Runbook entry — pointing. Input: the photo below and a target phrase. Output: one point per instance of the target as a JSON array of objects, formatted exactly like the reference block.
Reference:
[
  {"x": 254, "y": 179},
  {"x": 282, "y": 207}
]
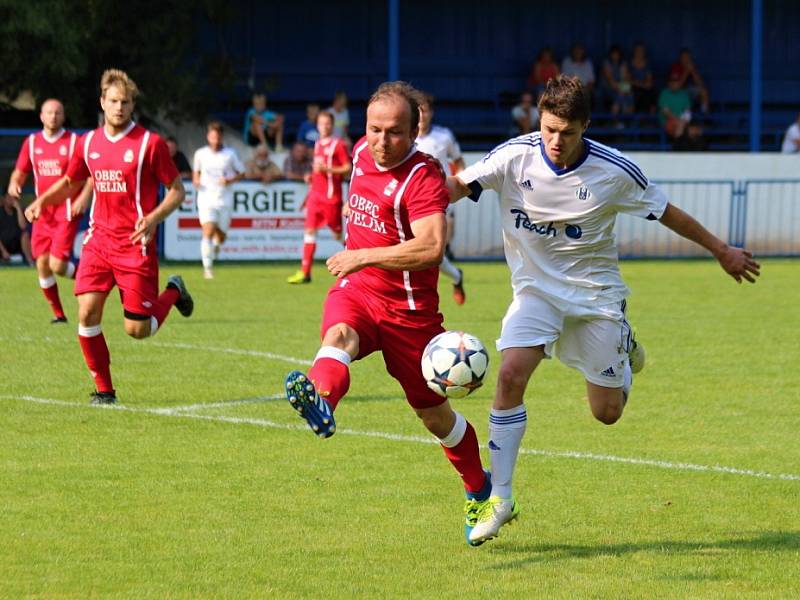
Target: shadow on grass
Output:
[{"x": 768, "y": 541}]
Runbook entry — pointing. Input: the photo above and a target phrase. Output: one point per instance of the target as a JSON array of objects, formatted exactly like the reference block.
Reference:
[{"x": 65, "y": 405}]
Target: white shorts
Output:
[
  {"x": 594, "y": 340},
  {"x": 218, "y": 214}
]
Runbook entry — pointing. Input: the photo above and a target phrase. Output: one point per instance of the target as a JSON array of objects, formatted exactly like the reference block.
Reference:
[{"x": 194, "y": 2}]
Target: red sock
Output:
[
  {"x": 331, "y": 378},
  {"x": 51, "y": 293},
  {"x": 95, "y": 352},
  {"x": 165, "y": 302},
  {"x": 466, "y": 458},
  {"x": 308, "y": 257}
]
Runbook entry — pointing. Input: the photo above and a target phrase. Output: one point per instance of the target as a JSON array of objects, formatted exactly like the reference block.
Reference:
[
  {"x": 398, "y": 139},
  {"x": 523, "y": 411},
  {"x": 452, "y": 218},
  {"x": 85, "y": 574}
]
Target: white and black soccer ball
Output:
[{"x": 454, "y": 364}]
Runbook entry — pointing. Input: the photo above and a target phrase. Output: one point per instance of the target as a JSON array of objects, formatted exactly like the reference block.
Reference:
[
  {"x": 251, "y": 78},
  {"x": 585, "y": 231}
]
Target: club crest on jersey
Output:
[
  {"x": 62, "y": 150},
  {"x": 389, "y": 189},
  {"x": 94, "y": 155},
  {"x": 38, "y": 151},
  {"x": 582, "y": 193},
  {"x": 359, "y": 171},
  {"x": 128, "y": 157}
]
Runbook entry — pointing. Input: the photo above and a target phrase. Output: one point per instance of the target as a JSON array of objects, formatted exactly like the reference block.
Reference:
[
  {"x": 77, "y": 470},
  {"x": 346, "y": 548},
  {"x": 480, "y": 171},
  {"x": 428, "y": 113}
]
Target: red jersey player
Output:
[
  {"x": 126, "y": 163},
  {"x": 385, "y": 296},
  {"x": 46, "y": 154},
  {"x": 324, "y": 201}
]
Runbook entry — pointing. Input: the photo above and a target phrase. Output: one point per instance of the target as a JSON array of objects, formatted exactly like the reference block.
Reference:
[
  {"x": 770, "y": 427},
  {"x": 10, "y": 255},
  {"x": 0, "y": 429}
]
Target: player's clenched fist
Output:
[{"x": 33, "y": 211}]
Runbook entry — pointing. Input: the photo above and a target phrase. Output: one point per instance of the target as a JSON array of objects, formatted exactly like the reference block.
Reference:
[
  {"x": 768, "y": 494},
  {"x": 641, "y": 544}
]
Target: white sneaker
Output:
[
  {"x": 494, "y": 514},
  {"x": 208, "y": 273}
]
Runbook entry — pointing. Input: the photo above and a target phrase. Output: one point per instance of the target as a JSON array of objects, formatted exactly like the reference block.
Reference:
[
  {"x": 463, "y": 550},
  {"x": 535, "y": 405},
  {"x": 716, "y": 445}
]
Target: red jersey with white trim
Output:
[
  {"x": 126, "y": 169},
  {"x": 383, "y": 204},
  {"x": 47, "y": 158},
  {"x": 327, "y": 187}
]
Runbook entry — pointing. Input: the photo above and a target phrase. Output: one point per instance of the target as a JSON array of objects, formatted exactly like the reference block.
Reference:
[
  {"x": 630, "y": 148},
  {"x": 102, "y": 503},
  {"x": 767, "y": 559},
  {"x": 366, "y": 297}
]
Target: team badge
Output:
[
  {"x": 94, "y": 155},
  {"x": 128, "y": 157},
  {"x": 582, "y": 193},
  {"x": 38, "y": 151},
  {"x": 389, "y": 189},
  {"x": 62, "y": 150},
  {"x": 359, "y": 171}
]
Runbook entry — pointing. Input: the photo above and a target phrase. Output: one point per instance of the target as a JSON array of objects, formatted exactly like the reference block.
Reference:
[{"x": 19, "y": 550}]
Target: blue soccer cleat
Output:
[
  {"x": 303, "y": 397},
  {"x": 473, "y": 507}
]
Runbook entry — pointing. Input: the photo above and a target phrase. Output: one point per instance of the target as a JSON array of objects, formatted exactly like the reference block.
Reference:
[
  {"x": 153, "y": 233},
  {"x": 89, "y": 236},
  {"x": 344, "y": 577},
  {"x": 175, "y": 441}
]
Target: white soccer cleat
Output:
[
  {"x": 636, "y": 355},
  {"x": 494, "y": 514},
  {"x": 208, "y": 273}
]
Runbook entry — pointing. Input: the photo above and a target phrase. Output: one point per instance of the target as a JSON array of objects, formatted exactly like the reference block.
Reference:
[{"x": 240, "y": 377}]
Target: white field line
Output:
[
  {"x": 206, "y": 405},
  {"x": 661, "y": 464}
]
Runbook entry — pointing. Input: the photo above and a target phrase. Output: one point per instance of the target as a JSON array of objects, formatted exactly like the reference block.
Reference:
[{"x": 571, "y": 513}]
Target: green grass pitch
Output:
[{"x": 204, "y": 483}]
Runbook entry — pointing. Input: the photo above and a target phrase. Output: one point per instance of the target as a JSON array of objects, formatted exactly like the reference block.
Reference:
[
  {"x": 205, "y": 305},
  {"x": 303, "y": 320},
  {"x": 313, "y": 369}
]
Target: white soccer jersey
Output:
[
  {"x": 558, "y": 224},
  {"x": 213, "y": 166},
  {"x": 441, "y": 144}
]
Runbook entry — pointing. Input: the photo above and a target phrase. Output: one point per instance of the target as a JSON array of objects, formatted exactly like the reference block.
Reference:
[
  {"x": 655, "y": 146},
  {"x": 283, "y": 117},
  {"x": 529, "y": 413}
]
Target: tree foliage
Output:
[{"x": 60, "y": 48}]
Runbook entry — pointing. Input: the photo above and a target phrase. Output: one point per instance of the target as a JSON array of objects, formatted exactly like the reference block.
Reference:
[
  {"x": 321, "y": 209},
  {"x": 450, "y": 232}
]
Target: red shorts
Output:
[
  {"x": 54, "y": 238},
  {"x": 136, "y": 276},
  {"x": 324, "y": 214},
  {"x": 400, "y": 337}
]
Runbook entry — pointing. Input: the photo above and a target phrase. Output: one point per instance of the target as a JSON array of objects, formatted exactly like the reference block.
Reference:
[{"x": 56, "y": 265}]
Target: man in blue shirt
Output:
[{"x": 307, "y": 132}]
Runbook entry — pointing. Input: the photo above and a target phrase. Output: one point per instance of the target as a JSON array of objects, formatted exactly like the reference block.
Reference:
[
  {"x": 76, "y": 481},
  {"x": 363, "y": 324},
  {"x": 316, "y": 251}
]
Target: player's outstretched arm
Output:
[
  {"x": 737, "y": 262},
  {"x": 61, "y": 190},
  {"x": 457, "y": 188},
  {"x": 423, "y": 251},
  {"x": 146, "y": 226}
]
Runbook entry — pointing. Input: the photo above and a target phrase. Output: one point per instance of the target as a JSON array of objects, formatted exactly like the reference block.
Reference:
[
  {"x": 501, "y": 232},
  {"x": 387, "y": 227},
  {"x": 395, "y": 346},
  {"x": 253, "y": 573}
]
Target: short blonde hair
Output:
[{"x": 117, "y": 77}]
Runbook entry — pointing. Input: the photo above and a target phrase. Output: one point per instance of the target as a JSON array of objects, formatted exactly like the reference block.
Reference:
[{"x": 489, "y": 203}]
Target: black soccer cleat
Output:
[
  {"x": 185, "y": 303},
  {"x": 56, "y": 320},
  {"x": 102, "y": 398}
]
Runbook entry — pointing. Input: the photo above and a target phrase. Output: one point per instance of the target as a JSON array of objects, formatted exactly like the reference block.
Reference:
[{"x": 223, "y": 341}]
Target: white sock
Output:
[
  {"x": 70, "y": 273},
  {"x": 153, "y": 326},
  {"x": 627, "y": 379},
  {"x": 450, "y": 270},
  {"x": 453, "y": 439},
  {"x": 216, "y": 249},
  {"x": 207, "y": 253},
  {"x": 333, "y": 352},
  {"x": 506, "y": 429},
  {"x": 47, "y": 282}
]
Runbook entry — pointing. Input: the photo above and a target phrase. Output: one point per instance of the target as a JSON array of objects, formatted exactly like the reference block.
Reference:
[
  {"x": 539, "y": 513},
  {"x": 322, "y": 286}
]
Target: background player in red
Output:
[
  {"x": 385, "y": 296},
  {"x": 324, "y": 200},
  {"x": 46, "y": 154},
  {"x": 126, "y": 163}
]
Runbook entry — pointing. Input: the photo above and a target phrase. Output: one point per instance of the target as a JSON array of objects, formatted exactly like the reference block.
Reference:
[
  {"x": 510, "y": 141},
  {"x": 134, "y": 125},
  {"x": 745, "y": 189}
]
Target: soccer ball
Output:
[{"x": 454, "y": 364}]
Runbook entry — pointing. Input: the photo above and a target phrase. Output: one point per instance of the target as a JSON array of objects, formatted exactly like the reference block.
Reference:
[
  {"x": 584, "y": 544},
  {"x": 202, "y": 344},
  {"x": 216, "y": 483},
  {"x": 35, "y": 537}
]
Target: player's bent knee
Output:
[
  {"x": 137, "y": 326},
  {"x": 342, "y": 336}
]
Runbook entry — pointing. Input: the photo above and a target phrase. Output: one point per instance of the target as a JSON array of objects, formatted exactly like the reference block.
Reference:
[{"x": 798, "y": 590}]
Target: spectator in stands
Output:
[
  {"x": 791, "y": 139},
  {"x": 341, "y": 117},
  {"x": 262, "y": 126},
  {"x": 525, "y": 115},
  {"x": 14, "y": 236},
  {"x": 578, "y": 65},
  {"x": 644, "y": 92},
  {"x": 307, "y": 132},
  {"x": 543, "y": 70},
  {"x": 615, "y": 83},
  {"x": 690, "y": 79},
  {"x": 297, "y": 165},
  {"x": 674, "y": 107},
  {"x": 261, "y": 168},
  {"x": 692, "y": 139},
  {"x": 179, "y": 158}
]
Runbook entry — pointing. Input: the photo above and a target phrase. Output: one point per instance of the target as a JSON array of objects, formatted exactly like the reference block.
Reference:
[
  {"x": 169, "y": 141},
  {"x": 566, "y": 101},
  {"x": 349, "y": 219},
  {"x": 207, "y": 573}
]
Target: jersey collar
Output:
[
  {"x": 409, "y": 155},
  {"x": 115, "y": 138},
  {"x": 570, "y": 168},
  {"x": 54, "y": 138}
]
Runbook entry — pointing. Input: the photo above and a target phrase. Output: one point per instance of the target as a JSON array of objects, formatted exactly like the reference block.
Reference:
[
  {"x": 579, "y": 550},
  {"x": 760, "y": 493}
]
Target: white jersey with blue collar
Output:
[
  {"x": 441, "y": 144},
  {"x": 558, "y": 224}
]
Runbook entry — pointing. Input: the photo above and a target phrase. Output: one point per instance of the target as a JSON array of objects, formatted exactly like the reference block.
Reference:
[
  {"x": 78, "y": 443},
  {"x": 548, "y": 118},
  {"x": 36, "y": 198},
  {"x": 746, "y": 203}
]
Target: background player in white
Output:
[
  {"x": 559, "y": 197},
  {"x": 216, "y": 167},
  {"x": 441, "y": 144}
]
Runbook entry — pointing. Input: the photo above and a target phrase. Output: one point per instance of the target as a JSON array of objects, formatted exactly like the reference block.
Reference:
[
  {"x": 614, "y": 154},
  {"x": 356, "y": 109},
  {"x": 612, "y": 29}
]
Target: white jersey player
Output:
[
  {"x": 559, "y": 197},
  {"x": 440, "y": 143},
  {"x": 215, "y": 168}
]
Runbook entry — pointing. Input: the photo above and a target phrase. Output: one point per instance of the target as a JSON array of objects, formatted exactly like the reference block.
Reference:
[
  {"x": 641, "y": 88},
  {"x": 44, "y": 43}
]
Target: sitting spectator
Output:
[
  {"x": 577, "y": 65},
  {"x": 615, "y": 83},
  {"x": 690, "y": 79},
  {"x": 542, "y": 71},
  {"x": 674, "y": 107},
  {"x": 791, "y": 139},
  {"x": 179, "y": 158},
  {"x": 14, "y": 236},
  {"x": 341, "y": 117},
  {"x": 644, "y": 93},
  {"x": 297, "y": 165},
  {"x": 692, "y": 139},
  {"x": 262, "y": 126},
  {"x": 307, "y": 132},
  {"x": 525, "y": 115},
  {"x": 261, "y": 168}
]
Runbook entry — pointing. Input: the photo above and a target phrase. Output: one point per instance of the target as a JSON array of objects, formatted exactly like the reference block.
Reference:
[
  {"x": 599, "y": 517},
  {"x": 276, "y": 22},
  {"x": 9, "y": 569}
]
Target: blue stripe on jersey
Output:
[
  {"x": 611, "y": 154},
  {"x": 622, "y": 166},
  {"x": 531, "y": 139}
]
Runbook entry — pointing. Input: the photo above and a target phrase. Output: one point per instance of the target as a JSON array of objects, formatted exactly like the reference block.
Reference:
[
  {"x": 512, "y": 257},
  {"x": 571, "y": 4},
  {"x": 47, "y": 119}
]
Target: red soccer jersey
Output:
[
  {"x": 126, "y": 169},
  {"x": 47, "y": 158},
  {"x": 383, "y": 204},
  {"x": 326, "y": 187}
]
